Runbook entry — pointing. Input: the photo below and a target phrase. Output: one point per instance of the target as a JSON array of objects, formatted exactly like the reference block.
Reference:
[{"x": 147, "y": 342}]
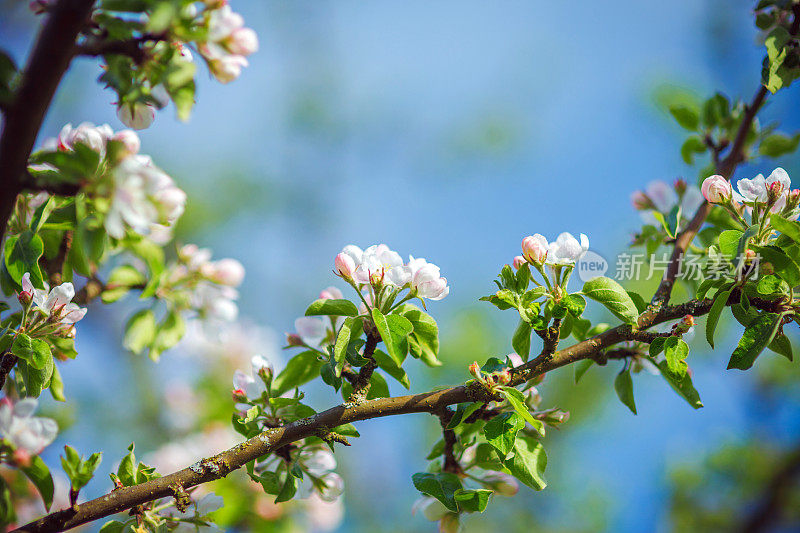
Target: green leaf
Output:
[
  {"x": 729, "y": 243},
  {"x": 127, "y": 468},
  {"x": 170, "y": 331},
  {"x": 441, "y": 486},
  {"x": 691, "y": 146},
  {"x": 720, "y": 301},
  {"x": 687, "y": 117},
  {"x": 112, "y": 526},
  {"x": 581, "y": 367},
  {"x": 501, "y": 432},
  {"x": 40, "y": 476},
  {"x": 757, "y": 336},
  {"x": 140, "y": 332},
  {"x": 657, "y": 346},
  {"x": 423, "y": 342},
  {"x": 782, "y": 264},
  {"x": 22, "y": 253},
  {"x": 623, "y": 385},
  {"x": 393, "y": 330},
  {"x": 683, "y": 387},
  {"x": 772, "y": 285},
  {"x": 611, "y": 294},
  {"x": 778, "y": 144},
  {"x": 462, "y": 412},
  {"x": 35, "y": 379},
  {"x": 781, "y": 345},
  {"x": 521, "y": 340},
  {"x": 288, "y": 490},
  {"x": 342, "y": 342},
  {"x": 676, "y": 350},
  {"x": 790, "y": 228},
  {"x": 36, "y": 352},
  {"x": 517, "y": 401},
  {"x": 332, "y": 308},
  {"x": 528, "y": 462},
  {"x": 390, "y": 366},
  {"x": 41, "y": 213},
  {"x": 472, "y": 501},
  {"x": 300, "y": 369}
]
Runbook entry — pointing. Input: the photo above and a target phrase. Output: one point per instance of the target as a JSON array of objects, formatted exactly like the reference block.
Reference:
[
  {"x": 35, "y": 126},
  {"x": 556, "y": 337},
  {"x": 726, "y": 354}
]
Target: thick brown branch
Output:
[
  {"x": 48, "y": 62},
  {"x": 269, "y": 441}
]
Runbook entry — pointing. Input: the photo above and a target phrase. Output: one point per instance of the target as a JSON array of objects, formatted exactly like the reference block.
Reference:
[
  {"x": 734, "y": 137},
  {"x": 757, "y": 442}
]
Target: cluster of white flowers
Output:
[
  {"x": 566, "y": 250},
  {"x": 55, "y": 303},
  {"x": 212, "y": 283},
  {"x": 319, "y": 463},
  {"x": 27, "y": 434},
  {"x": 142, "y": 197},
  {"x": 229, "y": 42},
  {"x": 380, "y": 266},
  {"x": 663, "y": 197},
  {"x": 775, "y": 190}
]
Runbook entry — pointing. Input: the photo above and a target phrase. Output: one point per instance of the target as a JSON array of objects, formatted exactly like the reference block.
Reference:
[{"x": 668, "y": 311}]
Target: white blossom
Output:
[
  {"x": 755, "y": 190},
  {"x": 566, "y": 249},
  {"x": 56, "y": 301},
  {"x": 427, "y": 280},
  {"x": 312, "y": 330},
  {"x": 22, "y": 430},
  {"x": 95, "y": 137},
  {"x": 143, "y": 195},
  {"x": 534, "y": 248}
]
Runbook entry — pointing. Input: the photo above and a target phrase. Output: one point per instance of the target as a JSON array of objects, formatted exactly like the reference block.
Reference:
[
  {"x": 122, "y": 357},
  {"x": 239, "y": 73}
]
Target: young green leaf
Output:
[
  {"x": 683, "y": 386},
  {"x": 501, "y": 432},
  {"x": 342, "y": 341},
  {"x": 441, "y": 486},
  {"x": 517, "y": 401},
  {"x": 611, "y": 294},
  {"x": 521, "y": 340},
  {"x": 332, "y": 307},
  {"x": 528, "y": 462},
  {"x": 757, "y": 336},
  {"x": 623, "y": 385},
  {"x": 676, "y": 350},
  {"x": 40, "y": 476},
  {"x": 720, "y": 301}
]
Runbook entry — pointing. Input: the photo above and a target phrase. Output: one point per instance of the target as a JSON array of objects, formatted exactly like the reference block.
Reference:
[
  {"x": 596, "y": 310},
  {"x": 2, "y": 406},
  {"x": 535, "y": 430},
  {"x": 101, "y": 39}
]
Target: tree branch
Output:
[
  {"x": 49, "y": 60},
  {"x": 433, "y": 402},
  {"x": 768, "y": 510}
]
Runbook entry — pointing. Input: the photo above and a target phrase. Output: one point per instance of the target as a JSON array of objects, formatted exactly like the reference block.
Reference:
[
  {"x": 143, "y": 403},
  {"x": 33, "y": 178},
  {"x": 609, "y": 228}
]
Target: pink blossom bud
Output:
[
  {"x": 680, "y": 186},
  {"x": 519, "y": 261},
  {"x": 716, "y": 189},
  {"x": 534, "y": 248},
  {"x": 239, "y": 396},
  {"x": 130, "y": 141},
  {"x": 228, "y": 272},
  {"x": 136, "y": 115},
  {"x": 293, "y": 339},
  {"x": 501, "y": 483},
  {"x": 345, "y": 265},
  {"x": 22, "y": 458},
  {"x": 640, "y": 201},
  {"x": 688, "y": 320},
  {"x": 774, "y": 191},
  {"x": 243, "y": 41},
  {"x": 475, "y": 370},
  {"x": 503, "y": 377},
  {"x": 227, "y": 68}
]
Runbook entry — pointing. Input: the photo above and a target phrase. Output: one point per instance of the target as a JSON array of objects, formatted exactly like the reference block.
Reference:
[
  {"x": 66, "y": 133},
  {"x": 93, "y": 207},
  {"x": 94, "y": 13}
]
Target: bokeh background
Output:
[{"x": 448, "y": 130}]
